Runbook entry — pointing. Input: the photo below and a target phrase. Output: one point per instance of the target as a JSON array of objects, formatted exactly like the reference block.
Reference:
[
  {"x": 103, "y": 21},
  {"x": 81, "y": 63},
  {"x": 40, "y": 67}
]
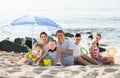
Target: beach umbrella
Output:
[{"x": 30, "y": 26}]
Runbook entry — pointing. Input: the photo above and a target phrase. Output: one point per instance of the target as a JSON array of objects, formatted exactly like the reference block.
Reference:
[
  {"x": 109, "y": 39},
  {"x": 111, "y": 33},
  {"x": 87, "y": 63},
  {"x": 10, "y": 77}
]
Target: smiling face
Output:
[
  {"x": 77, "y": 40},
  {"x": 97, "y": 38},
  {"x": 52, "y": 45},
  {"x": 44, "y": 38},
  {"x": 60, "y": 37},
  {"x": 37, "y": 48}
]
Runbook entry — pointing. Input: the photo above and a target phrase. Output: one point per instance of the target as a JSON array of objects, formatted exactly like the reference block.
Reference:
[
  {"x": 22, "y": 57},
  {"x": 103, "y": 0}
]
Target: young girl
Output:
[
  {"x": 94, "y": 51},
  {"x": 34, "y": 56},
  {"x": 54, "y": 53}
]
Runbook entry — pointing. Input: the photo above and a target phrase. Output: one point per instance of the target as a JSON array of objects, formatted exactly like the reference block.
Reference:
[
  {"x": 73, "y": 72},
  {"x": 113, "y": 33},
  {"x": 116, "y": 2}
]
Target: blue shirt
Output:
[{"x": 67, "y": 45}]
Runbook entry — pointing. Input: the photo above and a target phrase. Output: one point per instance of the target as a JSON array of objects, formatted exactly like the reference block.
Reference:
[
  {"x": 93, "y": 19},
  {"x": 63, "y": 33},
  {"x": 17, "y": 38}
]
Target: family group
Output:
[{"x": 65, "y": 52}]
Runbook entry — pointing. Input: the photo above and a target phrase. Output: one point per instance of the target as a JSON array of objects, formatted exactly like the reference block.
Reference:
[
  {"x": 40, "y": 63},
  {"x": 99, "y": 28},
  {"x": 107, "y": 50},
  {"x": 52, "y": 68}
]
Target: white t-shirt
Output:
[{"x": 76, "y": 50}]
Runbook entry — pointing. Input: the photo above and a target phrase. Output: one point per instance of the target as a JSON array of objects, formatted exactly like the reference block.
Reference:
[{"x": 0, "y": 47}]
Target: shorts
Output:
[
  {"x": 99, "y": 61},
  {"x": 68, "y": 61}
]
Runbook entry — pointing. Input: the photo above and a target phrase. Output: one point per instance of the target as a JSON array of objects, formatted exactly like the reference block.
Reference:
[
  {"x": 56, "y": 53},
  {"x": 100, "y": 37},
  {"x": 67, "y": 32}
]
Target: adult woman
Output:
[{"x": 44, "y": 42}]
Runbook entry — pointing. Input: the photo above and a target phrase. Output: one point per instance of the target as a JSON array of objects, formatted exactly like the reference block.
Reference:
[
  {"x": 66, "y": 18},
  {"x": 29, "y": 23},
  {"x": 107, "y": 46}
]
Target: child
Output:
[
  {"x": 79, "y": 58},
  {"x": 94, "y": 51},
  {"x": 54, "y": 53},
  {"x": 34, "y": 56}
]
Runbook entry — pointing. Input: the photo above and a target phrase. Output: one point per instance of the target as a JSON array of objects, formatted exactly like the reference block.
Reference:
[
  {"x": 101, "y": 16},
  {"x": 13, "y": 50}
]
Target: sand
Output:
[{"x": 8, "y": 70}]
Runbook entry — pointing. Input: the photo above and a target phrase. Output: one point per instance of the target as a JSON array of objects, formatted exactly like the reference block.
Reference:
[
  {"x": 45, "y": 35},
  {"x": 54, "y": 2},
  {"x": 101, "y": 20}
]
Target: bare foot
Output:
[
  {"x": 13, "y": 62},
  {"x": 39, "y": 64}
]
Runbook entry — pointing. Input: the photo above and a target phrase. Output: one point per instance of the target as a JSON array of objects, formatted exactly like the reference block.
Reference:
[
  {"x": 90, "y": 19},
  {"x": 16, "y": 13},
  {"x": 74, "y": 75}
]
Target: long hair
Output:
[{"x": 97, "y": 34}]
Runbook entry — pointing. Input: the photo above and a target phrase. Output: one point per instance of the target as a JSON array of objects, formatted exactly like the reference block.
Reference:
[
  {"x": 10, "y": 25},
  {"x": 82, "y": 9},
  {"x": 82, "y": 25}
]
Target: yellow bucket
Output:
[
  {"x": 34, "y": 59},
  {"x": 47, "y": 62}
]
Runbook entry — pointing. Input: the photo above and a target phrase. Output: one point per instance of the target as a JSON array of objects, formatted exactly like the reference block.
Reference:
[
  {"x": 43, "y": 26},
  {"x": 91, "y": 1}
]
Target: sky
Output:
[{"x": 12, "y": 8}]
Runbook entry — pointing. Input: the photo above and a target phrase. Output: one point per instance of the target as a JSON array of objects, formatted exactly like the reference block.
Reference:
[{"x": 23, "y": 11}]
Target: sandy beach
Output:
[
  {"x": 8, "y": 70},
  {"x": 21, "y": 22}
]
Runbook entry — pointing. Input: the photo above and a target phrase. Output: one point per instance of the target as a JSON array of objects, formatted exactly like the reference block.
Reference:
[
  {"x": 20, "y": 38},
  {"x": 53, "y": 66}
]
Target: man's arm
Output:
[{"x": 69, "y": 52}]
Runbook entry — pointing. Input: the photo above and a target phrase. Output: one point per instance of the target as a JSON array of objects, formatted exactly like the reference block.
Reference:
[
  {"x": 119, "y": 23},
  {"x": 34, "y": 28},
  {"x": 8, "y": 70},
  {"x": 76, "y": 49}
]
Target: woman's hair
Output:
[
  {"x": 97, "y": 34},
  {"x": 59, "y": 31},
  {"x": 77, "y": 35},
  {"x": 43, "y": 33},
  {"x": 37, "y": 44}
]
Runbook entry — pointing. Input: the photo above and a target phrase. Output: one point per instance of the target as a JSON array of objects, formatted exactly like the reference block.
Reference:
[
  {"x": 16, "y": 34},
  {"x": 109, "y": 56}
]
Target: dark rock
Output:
[
  {"x": 88, "y": 33},
  {"x": 102, "y": 49},
  {"x": 67, "y": 34},
  {"x": 103, "y": 45},
  {"x": 9, "y": 46},
  {"x": 53, "y": 34},
  {"x": 29, "y": 41},
  {"x": 18, "y": 41},
  {"x": 50, "y": 38},
  {"x": 90, "y": 36}
]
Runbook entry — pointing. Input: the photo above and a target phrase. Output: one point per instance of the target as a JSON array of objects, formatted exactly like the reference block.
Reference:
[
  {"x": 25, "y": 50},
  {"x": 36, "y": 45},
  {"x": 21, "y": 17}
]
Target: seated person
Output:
[
  {"x": 65, "y": 48},
  {"x": 94, "y": 51},
  {"x": 34, "y": 56},
  {"x": 54, "y": 53},
  {"x": 79, "y": 58}
]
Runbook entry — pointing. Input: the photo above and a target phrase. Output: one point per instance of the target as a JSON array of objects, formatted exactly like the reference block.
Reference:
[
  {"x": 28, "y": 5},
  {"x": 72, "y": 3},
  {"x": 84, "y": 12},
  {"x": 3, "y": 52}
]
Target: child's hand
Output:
[
  {"x": 60, "y": 50},
  {"x": 39, "y": 64},
  {"x": 34, "y": 55},
  {"x": 103, "y": 58},
  {"x": 37, "y": 56}
]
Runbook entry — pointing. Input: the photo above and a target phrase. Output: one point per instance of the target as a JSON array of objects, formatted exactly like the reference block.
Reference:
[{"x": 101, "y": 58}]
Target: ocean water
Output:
[{"x": 72, "y": 15}]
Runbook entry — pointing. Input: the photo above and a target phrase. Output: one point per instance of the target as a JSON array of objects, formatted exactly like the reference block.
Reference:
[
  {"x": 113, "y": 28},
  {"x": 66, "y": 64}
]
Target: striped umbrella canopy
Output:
[{"x": 30, "y": 26}]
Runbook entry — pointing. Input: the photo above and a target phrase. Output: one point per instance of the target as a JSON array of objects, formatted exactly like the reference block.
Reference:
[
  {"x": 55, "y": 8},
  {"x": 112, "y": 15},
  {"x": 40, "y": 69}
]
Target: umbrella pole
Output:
[
  {"x": 32, "y": 30},
  {"x": 32, "y": 36}
]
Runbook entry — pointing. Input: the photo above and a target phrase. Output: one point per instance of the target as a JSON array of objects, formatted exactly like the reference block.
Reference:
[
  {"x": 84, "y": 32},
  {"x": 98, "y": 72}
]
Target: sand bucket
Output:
[
  {"x": 47, "y": 62},
  {"x": 34, "y": 59}
]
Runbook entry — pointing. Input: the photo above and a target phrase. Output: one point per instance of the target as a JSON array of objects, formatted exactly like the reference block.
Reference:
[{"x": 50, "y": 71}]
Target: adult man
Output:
[{"x": 65, "y": 48}]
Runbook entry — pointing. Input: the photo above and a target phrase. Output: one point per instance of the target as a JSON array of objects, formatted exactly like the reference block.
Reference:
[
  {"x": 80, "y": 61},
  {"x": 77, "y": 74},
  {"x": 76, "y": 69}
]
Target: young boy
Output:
[{"x": 54, "y": 53}]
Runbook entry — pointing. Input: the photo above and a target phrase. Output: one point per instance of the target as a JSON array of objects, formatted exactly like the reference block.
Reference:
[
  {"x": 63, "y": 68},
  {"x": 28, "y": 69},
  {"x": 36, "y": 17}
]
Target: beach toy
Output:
[
  {"x": 111, "y": 52},
  {"x": 29, "y": 63},
  {"x": 48, "y": 57},
  {"x": 83, "y": 50},
  {"x": 34, "y": 59},
  {"x": 47, "y": 61},
  {"x": 30, "y": 56}
]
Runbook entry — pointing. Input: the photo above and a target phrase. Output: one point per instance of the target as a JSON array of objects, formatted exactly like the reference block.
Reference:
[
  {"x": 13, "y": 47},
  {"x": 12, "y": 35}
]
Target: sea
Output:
[{"x": 73, "y": 16}]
